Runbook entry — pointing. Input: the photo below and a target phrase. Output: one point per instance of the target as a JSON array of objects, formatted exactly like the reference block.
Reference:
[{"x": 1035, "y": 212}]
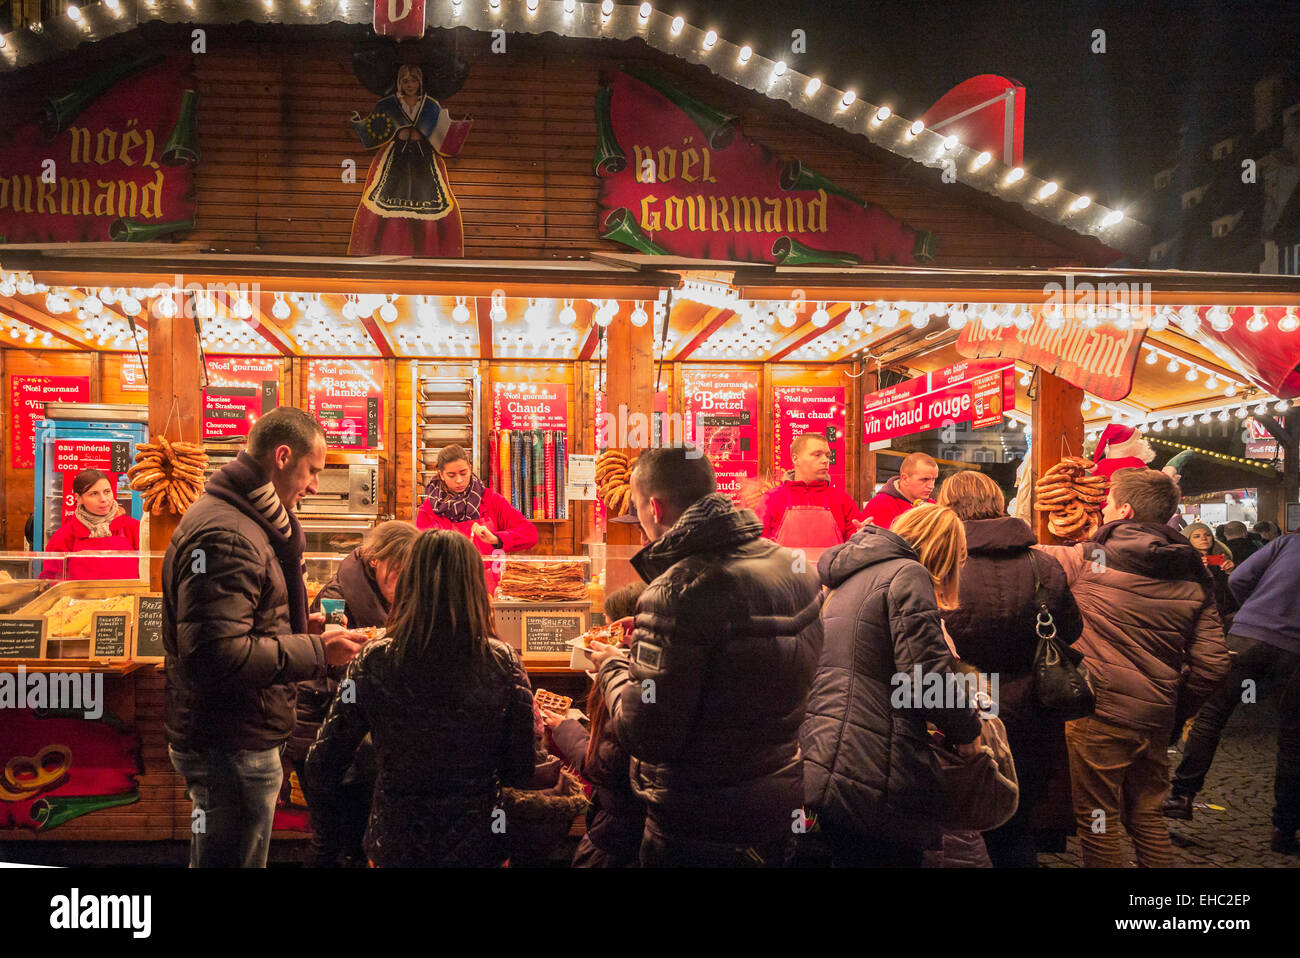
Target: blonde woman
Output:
[{"x": 868, "y": 770}]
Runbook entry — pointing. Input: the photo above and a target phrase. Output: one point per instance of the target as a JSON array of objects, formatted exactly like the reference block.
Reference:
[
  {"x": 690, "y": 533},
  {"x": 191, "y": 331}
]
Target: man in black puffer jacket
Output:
[
  {"x": 237, "y": 636},
  {"x": 709, "y": 701}
]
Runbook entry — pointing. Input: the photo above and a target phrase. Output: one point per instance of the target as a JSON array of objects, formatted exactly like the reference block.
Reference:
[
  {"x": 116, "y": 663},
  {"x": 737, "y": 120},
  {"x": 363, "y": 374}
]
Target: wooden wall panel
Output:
[{"x": 274, "y": 131}]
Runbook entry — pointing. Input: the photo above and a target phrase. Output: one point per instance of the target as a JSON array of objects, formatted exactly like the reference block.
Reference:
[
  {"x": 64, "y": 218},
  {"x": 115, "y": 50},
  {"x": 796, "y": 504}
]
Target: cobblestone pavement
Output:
[{"x": 1233, "y": 817}]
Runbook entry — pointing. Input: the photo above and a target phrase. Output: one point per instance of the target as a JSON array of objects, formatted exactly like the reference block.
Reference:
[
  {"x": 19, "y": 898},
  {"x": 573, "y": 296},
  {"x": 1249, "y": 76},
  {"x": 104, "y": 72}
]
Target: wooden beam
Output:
[
  {"x": 15, "y": 308},
  {"x": 713, "y": 320},
  {"x": 801, "y": 335},
  {"x": 175, "y": 408},
  {"x": 483, "y": 319},
  {"x": 1058, "y": 432},
  {"x": 629, "y": 383}
]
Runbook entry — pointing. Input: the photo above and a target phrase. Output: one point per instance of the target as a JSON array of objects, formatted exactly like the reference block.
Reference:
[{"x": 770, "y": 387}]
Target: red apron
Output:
[{"x": 808, "y": 527}]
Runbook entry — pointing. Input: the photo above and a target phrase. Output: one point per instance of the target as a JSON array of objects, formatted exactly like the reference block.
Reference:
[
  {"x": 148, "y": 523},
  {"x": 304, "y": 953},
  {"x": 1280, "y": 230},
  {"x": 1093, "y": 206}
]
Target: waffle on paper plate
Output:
[{"x": 552, "y": 702}]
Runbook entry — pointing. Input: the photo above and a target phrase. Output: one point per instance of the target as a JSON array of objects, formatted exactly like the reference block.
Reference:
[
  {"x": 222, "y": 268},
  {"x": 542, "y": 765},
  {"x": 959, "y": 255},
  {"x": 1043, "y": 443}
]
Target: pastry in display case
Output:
[
  {"x": 69, "y": 608},
  {"x": 549, "y": 581}
]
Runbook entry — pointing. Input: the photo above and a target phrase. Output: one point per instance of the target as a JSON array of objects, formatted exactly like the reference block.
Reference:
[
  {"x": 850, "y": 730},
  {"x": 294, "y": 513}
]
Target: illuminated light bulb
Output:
[
  {"x": 8, "y": 286},
  {"x": 1230, "y": 390},
  {"x": 204, "y": 309},
  {"x": 107, "y": 295},
  {"x": 1112, "y": 218},
  {"x": 644, "y": 11},
  {"x": 426, "y": 312},
  {"x": 1223, "y": 416},
  {"x": 1261, "y": 410},
  {"x": 1086, "y": 404},
  {"x": 1157, "y": 426},
  {"x": 1192, "y": 375},
  {"x": 820, "y": 318},
  {"x": 639, "y": 316},
  {"x": 1047, "y": 189},
  {"x": 745, "y": 53},
  {"x": 1220, "y": 319},
  {"x": 1026, "y": 378},
  {"x": 281, "y": 308},
  {"x": 349, "y": 310},
  {"x": 677, "y": 25},
  {"x": 26, "y": 287},
  {"x": 1257, "y": 323},
  {"x": 1016, "y": 175},
  {"x": 787, "y": 318},
  {"x": 1205, "y": 417},
  {"x": 1024, "y": 319},
  {"x": 606, "y": 8},
  {"x": 570, "y": 6},
  {"x": 1189, "y": 319},
  {"x": 1173, "y": 366},
  {"x": 494, "y": 4},
  {"x": 950, "y": 143},
  {"x": 1212, "y": 383},
  {"x": 920, "y": 317},
  {"x": 532, "y": 6},
  {"x": 113, "y": 5},
  {"x": 1152, "y": 358},
  {"x": 849, "y": 98},
  {"x": 890, "y": 317},
  {"x": 916, "y": 129},
  {"x": 74, "y": 13},
  {"x": 1289, "y": 323},
  {"x": 1080, "y": 203},
  {"x": 388, "y": 311},
  {"x": 1241, "y": 412},
  {"x": 316, "y": 311},
  {"x": 981, "y": 161},
  {"x": 883, "y": 114},
  {"x": 164, "y": 307},
  {"x": 605, "y": 314},
  {"x": 710, "y": 38},
  {"x": 1281, "y": 406},
  {"x": 779, "y": 68},
  {"x": 1159, "y": 319},
  {"x": 242, "y": 309},
  {"x": 460, "y": 313}
]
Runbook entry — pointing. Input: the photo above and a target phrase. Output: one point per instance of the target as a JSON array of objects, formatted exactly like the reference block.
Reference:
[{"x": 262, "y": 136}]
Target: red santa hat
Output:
[{"x": 1115, "y": 434}]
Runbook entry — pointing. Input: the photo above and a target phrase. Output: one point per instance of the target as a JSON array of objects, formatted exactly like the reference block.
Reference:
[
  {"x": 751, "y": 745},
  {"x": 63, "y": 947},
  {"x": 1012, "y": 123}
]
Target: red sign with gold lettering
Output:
[
  {"x": 678, "y": 177},
  {"x": 110, "y": 159},
  {"x": 1100, "y": 360}
]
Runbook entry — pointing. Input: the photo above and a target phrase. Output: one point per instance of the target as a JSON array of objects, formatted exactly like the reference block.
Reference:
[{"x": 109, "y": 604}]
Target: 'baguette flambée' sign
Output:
[{"x": 1099, "y": 360}]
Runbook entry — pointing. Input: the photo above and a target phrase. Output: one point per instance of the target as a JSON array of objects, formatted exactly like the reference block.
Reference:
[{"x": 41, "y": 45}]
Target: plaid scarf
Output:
[
  {"x": 99, "y": 526},
  {"x": 456, "y": 506}
]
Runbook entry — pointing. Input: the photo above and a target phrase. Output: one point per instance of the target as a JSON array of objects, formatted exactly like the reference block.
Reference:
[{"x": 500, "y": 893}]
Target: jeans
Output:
[
  {"x": 663, "y": 851},
  {"x": 1124, "y": 773},
  {"x": 233, "y": 795},
  {"x": 1253, "y": 660}
]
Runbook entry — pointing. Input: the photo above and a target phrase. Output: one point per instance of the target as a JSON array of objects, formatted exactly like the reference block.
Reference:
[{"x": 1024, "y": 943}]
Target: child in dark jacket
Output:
[{"x": 616, "y": 818}]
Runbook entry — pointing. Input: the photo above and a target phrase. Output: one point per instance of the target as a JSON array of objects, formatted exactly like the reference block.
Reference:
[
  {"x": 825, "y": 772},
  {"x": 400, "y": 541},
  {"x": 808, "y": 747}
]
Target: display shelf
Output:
[{"x": 73, "y": 665}]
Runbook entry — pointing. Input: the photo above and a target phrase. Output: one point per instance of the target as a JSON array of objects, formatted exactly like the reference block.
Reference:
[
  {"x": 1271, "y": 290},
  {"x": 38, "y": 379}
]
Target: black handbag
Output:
[{"x": 1062, "y": 683}]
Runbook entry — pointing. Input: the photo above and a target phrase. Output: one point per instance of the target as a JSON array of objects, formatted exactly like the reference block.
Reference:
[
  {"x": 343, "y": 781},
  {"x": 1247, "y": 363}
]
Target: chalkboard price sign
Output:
[
  {"x": 22, "y": 638},
  {"x": 548, "y": 633},
  {"x": 110, "y": 634},
  {"x": 148, "y": 628}
]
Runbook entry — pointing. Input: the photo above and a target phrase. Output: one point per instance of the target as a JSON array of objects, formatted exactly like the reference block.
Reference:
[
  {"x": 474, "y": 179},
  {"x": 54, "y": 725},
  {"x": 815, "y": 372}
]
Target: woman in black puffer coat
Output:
[
  {"x": 994, "y": 628},
  {"x": 450, "y": 710},
  {"x": 365, "y": 581},
  {"x": 869, "y": 772}
]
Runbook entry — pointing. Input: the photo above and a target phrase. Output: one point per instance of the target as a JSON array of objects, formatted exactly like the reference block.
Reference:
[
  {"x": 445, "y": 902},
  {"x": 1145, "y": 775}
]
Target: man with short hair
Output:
[
  {"x": 1148, "y": 613},
  {"x": 710, "y": 697},
  {"x": 1237, "y": 539},
  {"x": 913, "y": 485},
  {"x": 237, "y": 636},
  {"x": 807, "y": 512}
]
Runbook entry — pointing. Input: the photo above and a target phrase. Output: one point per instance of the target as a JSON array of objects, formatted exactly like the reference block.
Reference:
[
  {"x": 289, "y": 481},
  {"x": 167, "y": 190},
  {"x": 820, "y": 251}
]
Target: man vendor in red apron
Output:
[
  {"x": 913, "y": 485},
  {"x": 806, "y": 512}
]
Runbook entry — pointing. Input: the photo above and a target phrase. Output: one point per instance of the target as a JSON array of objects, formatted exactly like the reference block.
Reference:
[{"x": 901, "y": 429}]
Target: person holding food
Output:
[
  {"x": 99, "y": 524},
  {"x": 450, "y": 709},
  {"x": 616, "y": 817},
  {"x": 458, "y": 500},
  {"x": 365, "y": 582}
]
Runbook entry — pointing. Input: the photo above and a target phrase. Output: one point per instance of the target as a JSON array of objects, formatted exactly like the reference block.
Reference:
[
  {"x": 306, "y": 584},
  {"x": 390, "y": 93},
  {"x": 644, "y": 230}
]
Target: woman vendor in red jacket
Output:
[
  {"x": 99, "y": 524},
  {"x": 458, "y": 500}
]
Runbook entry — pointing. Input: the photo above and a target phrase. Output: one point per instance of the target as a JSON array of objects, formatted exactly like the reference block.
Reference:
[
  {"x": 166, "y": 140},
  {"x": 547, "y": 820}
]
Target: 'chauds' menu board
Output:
[
  {"x": 240, "y": 389},
  {"x": 802, "y": 409},
  {"x": 720, "y": 408},
  {"x": 347, "y": 397},
  {"x": 27, "y": 398}
]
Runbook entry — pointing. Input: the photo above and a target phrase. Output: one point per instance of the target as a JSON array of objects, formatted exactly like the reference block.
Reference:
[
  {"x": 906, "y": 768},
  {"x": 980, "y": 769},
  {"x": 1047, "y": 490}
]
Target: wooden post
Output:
[
  {"x": 175, "y": 394},
  {"x": 1058, "y": 432},
  {"x": 866, "y": 383},
  {"x": 630, "y": 385}
]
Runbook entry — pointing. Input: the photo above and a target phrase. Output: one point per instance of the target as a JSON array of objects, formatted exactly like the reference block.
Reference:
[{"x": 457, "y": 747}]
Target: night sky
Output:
[{"x": 1096, "y": 123}]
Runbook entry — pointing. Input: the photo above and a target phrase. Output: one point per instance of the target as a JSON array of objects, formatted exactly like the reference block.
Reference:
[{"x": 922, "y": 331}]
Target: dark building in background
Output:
[{"x": 1227, "y": 200}]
